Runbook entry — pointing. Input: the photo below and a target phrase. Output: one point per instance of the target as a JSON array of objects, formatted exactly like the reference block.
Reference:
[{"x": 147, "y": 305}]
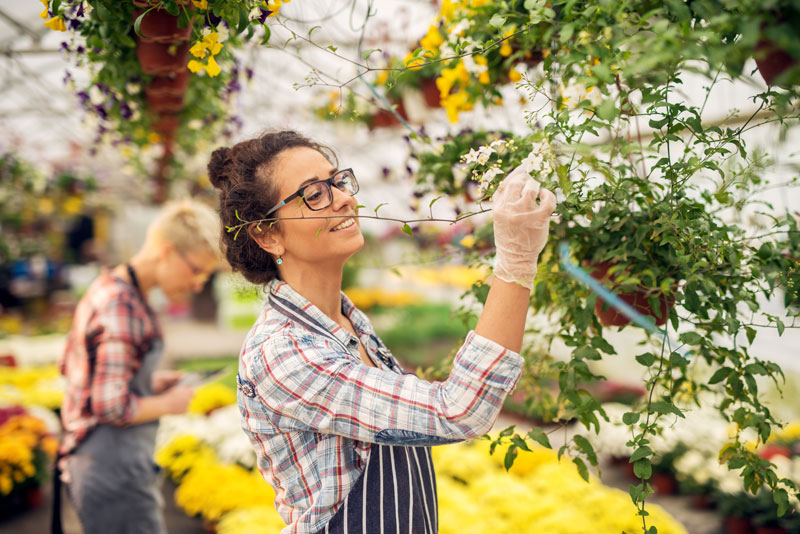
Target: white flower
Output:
[
  {"x": 488, "y": 176},
  {"x": 254, "y": 13},
  {"x": 595, "y": 97},
  {"x": 132, "y": 88},
  {"x": 484, "y": 153},
  {"x": 96, "y": 96},
  {"x": 532, "y": 163},
  {"x": 471, "y": 157},
  {"x": 195, "y": 124},
  {"x": 574, "y": 95},
  {"x": 222, "y": 33},
  {"x": 459, "y": 28}
]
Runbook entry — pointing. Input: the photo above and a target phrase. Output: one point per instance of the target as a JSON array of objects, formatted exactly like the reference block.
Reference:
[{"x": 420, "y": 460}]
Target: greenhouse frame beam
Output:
[{"x": 21, "y": 27}]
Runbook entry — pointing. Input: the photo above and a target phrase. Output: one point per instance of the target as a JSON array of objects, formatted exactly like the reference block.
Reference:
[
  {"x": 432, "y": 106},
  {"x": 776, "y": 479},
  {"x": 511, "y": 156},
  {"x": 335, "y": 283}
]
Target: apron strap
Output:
[{"x": 55, "y": 521}]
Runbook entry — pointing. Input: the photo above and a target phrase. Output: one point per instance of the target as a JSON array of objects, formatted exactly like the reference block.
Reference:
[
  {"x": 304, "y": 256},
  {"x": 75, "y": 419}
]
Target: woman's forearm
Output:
[{"x": 503, "y": 316}]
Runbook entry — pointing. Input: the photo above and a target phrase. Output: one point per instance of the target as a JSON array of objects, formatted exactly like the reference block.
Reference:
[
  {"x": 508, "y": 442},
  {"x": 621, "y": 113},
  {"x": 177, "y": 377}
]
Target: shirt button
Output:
[{"x": 353, "y": 342}]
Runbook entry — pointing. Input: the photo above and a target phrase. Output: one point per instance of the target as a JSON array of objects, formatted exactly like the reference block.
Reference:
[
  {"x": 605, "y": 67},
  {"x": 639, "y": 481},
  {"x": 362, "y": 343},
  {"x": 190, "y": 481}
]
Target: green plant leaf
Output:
[
  {"x": 647, "y": 359},
  {"x": 720, "y": 375},
  {"x": 267, "y": 34},
  {"x": 511, "y": 455},
  {"x": 538, "y": 435},
  {"x": 586, "y": 448},
  {"x": 640, "y": 453},
  {"x": 630, "y": 418},
  {"x": 366, "y": 53},
  {"x": 407, "y": 229},
  {"x": 497, "y": 21},
  {"x": 643, "y": 469},
  {"x": 583, "y": 471}
]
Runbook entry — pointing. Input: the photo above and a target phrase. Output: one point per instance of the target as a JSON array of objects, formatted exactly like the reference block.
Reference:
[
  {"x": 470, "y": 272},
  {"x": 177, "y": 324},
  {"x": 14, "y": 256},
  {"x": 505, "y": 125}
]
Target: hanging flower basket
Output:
[
  {"x": 159, "y": 26},
  {"x": 772, "y": 61},
  {"x": 161, "y": 58},
  {"x": 164, "y": 102},
  {"x": 170, "y": 84},
  {"x": 386, "y": 119},
  {"x": 430, "y": 93},
  {"x": 610, "y": 316},
  {"x": 167, "y": 124}
]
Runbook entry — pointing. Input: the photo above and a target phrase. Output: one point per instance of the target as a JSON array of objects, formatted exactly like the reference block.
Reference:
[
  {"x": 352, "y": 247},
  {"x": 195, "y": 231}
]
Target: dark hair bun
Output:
[{"x": 217, "y": 166}]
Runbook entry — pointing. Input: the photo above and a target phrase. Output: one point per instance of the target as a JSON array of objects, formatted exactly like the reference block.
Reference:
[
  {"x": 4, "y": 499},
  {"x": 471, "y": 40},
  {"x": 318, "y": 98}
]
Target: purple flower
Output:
[
  {"x": 64, "y": 46},
  {"x": 262, "y": 18},
  {"x": 83, "y": 96},
  {"x": 80, "y": 49},
  {"x": 385, "y": 171},
  {"x": 249, "y": 73},
  {"x": 100, "y": 110},
  {"x": 67, "y": 77},
  {"x": 125, "y": 110}
]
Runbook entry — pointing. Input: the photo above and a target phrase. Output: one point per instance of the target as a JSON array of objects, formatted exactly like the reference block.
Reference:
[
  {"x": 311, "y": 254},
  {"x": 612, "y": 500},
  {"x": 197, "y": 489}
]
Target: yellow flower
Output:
[
  {"x": 433, "y": 39},
  {"x": 195, "y": 66},
  {"x": 468, "y": 241},
  {"x": 56, "y": 23},
  {"x": 209, "y": 43},
  {"x": 483, "y": 77},
  {"x": 44, "y": 13},
  {"x": 505, "y": 49},
  {"x": 210, "y": 397},
  {"x": 514, "y": 75},
  {"x": 153, "y": 138},
  {"x": 200, "y": 4},
  {"x": 456, "y": 102},
  {"x": 212, "y": 68}
]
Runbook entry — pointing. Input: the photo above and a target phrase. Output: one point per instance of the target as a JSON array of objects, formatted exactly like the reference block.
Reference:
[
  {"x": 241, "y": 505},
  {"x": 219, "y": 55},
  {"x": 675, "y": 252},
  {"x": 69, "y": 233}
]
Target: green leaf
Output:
[
  {"x": 366, "y": 53},
  {"x": 586, "y": 448},
  {"x": 497, "y": 21},
  {"x": 538, "y": 435},
  {"x": 647, "y": 359},
  {"x": 780, "y": 326},
  {"x": 511, "y": 455},
  {"x": 630, "y": 418},
  {"x": 519, "y": 442},
  {"x": 267, "y": 34},
  {"x": 720, "y": 375},
  {"x": 643, "y": 469},
  {"x": 664, "y": 407},
  {"x": 312, "y": 29},
  {"x": 601, "y": 344},
  {"x": 137, "y": 25},
  {"x": 607, "y": 110},
  {"x": 407, "y": 229},
  {"x": 640, "y": 453},
  {"x": 691, "y": 338},
  {"x": 583, "y": 471},
  {"x": 586, "y": 353},
  {"x": 751, "y": 334},
  {"x": 379, "y": 206},
  {"x": 567, "y": 30},
  {"x": 332, "y": 48}
]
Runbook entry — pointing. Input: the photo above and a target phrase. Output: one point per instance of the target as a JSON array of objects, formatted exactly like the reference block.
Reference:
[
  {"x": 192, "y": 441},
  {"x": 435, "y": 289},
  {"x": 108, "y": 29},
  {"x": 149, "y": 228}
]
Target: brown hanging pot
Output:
[
  {"x": 167, "y": 124},
  {"x": 385, "y": 119},
  {"x": 159, "y": 26},
  {"x": 430, "y": 93},
  {"x": 772, "y": 61},
  {"x": 164, "y": 102},
  {"x": 162, "y": 58},
  {"x": 169, "y": 84},
  {"x": 638, "y": 300}
]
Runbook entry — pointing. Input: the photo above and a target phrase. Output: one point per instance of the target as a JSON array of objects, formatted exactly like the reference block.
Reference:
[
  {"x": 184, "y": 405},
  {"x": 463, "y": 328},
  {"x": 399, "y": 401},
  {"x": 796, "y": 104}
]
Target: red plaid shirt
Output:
[{"x": 112, "y": 330}]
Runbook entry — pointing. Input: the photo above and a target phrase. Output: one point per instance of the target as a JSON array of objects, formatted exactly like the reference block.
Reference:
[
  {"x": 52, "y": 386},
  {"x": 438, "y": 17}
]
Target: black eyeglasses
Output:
[{"x": 318, "y": 195}]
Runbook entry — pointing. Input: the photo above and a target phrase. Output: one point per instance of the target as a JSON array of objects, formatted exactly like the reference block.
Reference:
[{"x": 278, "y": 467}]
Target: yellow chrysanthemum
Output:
[{"x": 432, "y": 40}]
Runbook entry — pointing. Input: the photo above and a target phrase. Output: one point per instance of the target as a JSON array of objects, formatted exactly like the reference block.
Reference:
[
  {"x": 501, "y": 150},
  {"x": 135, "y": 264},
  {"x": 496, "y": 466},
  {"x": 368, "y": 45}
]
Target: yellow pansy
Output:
[
  {"x": 514, "y": 75},
  {"x": 505, "y": 49},
  {"x": 212, "y": 68},
  {"x": 56, "y": 24},
  {"x": 195, "y": 66},
  {"x": 207, "y": 44},
  {"x": 44, "y": 13},
  {"x": 483, "y": 77},
  {"x": 432, "y": 40},
  {"x": 454, "y": 103},
  {"x": 200, "y": 4}
]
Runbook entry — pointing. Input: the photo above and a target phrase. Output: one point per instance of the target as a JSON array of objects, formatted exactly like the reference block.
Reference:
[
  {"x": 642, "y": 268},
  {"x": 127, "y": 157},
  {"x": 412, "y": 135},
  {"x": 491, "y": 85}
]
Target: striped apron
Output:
[{"x": 396, "y": 494}]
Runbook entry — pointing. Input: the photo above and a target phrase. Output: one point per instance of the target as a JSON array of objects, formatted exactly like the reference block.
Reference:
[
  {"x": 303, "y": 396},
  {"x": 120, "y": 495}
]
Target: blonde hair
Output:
[{"x": 189, "y": 225}]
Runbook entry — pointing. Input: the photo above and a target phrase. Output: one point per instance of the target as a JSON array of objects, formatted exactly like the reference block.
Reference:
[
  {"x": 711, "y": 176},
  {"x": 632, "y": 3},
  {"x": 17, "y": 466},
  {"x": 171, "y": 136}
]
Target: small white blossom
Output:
[
  {"x": 459, "y": 28},
  {"x": 254, "y": 13},
  {"x": 132, "y": 88},
  {"x": 222, "y": 33},
  {"x": 488, "y": 176},
  {"x": 471, "y": 157},
  {"x": 484, "y": 153},
  {"x": 195, "y": 124},
  {"x": 96, "y": 96},
  {"x": 595, "y": 97},
  {"x": 574, "y": 95}
]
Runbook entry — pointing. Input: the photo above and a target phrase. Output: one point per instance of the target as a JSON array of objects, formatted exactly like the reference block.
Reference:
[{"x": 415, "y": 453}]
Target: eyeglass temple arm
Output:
[{"x": 273, "y": 210}]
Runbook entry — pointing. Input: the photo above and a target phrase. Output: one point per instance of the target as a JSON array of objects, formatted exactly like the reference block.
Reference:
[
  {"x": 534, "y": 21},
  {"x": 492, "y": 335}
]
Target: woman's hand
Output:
[
  {"x": 522, "y": 211},
  {"x": 164, "y": 379}
]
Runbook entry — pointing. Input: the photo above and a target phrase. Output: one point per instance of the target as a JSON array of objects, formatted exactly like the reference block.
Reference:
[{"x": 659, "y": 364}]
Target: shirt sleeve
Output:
[
  {"x": 117, "y": 343},
  {"x": 310, "y": 385}
]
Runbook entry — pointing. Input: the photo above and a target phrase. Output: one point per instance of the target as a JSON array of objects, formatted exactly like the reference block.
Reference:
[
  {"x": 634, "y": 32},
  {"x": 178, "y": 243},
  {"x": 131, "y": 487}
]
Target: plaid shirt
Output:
[
  {"x": 112, "y": 330},
  {"x": 311, "y": 407}
]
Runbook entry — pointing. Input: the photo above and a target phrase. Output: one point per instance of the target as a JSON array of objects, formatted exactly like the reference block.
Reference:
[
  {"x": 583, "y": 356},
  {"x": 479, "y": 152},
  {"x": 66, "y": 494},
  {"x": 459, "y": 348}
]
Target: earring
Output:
[{"x": 279, "y": 260}]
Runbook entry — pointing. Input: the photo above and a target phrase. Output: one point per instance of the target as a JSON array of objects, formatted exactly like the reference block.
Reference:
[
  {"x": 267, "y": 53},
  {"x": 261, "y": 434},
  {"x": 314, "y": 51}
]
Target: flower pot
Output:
[
  {"x": 430, "y": 93},
  {"x": 664, "y": 483},
  {"x": 159, "y": 26},
  {"x": 385, "y": 119},
  {"x": 636, "y": 299},
  {"x": 737, "y": 525},
  {"x": 167, "y": 124},
  {"x": 701, "y": 501},
  {"x": 34, "y": 498},
  {"x": 772, "y": 61},
  {"x": 164, "y": 102},
  {"x": 761, "y": 529},
  {"x": 162, "y": 58},
  {"x": 169, "y": 84}
]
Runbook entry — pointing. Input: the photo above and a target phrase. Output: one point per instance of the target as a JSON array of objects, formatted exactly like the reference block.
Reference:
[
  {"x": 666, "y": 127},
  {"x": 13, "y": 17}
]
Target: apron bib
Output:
[
  {"x": 115, "y": 484},
  {"x": 396, "y": 494}
]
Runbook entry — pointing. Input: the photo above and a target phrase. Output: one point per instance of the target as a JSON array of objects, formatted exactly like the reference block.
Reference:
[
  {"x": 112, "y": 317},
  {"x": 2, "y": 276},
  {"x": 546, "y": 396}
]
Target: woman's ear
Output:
[{"x": 266, "y": 238}]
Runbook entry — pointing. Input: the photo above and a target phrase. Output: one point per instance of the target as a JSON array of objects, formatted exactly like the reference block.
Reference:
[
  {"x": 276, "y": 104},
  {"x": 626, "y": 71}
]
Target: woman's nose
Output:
[{"x": 341, "y": 199}]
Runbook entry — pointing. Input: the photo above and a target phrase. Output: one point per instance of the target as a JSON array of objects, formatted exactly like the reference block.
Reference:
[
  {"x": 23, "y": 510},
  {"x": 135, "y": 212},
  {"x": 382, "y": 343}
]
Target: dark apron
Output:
[
  {"x": 396, "y": 494},
  {"x": 115, "y": 484}
]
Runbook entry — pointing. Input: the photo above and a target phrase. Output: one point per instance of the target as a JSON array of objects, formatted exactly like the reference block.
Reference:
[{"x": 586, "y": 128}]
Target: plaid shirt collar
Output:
[{"x": 287, "y": 297}]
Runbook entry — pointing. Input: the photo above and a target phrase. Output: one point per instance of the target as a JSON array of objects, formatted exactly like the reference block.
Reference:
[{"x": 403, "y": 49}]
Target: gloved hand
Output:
[{"x": 521, "y": 226}]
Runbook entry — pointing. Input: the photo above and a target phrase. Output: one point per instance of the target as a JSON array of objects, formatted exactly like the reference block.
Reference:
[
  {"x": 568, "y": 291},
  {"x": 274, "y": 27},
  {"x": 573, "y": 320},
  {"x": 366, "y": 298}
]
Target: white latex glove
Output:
[{"x": 521, "y": 226}]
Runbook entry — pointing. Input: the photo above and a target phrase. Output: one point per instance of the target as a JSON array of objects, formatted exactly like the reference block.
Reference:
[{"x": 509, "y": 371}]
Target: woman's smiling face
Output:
[{"x": 312, "y": 242}]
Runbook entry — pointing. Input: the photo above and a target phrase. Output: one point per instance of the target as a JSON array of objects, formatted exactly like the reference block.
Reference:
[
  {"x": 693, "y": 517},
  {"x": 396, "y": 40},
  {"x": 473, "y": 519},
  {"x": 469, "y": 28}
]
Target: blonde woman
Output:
[{"x": 114, "y": 394}]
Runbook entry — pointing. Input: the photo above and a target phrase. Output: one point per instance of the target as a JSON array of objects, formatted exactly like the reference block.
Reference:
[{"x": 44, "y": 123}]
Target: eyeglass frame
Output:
[
  {"x": 196, "y": 271},
  {"x": 328, "y": 182}
]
